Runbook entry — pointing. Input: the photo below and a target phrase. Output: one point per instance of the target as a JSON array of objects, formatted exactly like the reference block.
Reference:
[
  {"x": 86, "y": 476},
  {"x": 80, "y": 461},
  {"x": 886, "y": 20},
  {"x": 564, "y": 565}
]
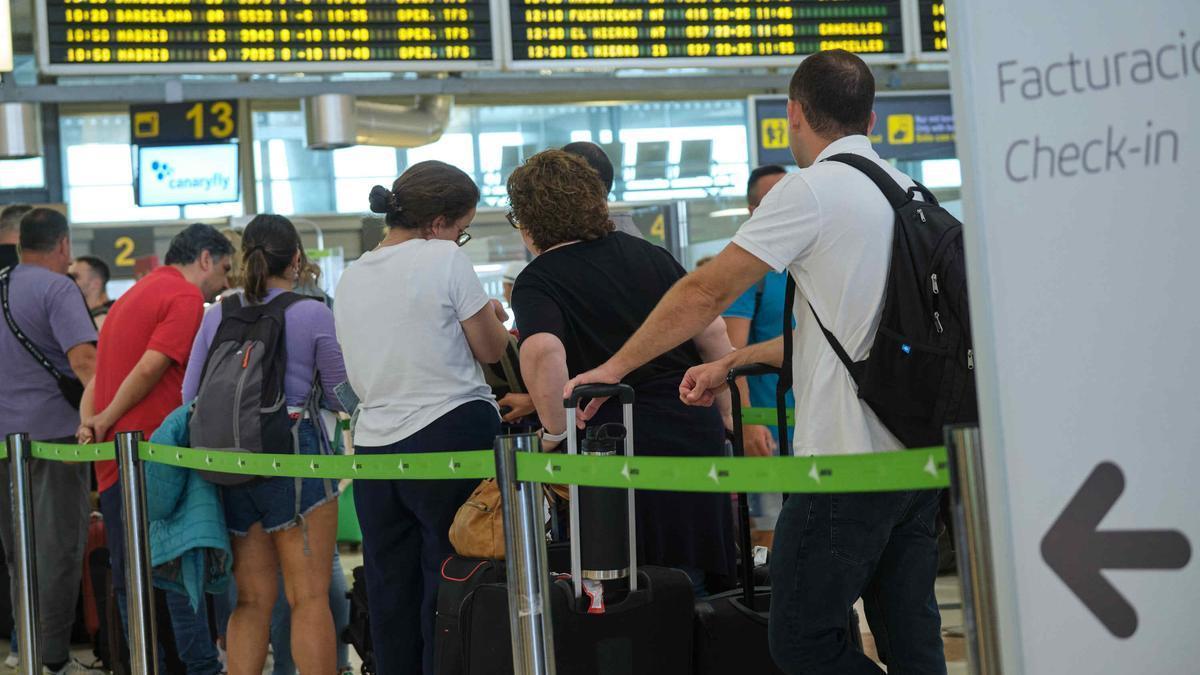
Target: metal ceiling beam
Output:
[{"x": 489, "y": 90}]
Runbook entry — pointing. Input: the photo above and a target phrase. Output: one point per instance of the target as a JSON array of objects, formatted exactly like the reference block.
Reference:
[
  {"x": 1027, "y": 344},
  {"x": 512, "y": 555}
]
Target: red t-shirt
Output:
[{"x": 161, "y": 312}]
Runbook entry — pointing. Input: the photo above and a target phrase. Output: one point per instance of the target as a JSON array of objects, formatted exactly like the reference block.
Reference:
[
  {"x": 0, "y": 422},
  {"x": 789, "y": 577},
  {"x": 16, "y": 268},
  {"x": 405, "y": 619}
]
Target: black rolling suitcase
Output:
[
  {"x": 460, "y": 578},
  {"x": 645, "y": 630},
  {"x": 731, "y": 627}
]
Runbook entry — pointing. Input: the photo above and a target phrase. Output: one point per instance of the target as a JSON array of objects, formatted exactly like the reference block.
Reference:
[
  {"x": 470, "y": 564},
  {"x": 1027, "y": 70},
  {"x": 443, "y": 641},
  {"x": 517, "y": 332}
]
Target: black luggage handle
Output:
[
  {"x": 623, "y": 392},
  {"x": 752, "y": 370}
]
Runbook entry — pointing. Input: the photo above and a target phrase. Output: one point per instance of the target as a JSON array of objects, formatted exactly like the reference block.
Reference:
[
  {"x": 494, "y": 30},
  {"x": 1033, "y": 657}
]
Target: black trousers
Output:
[{"x": 406, "y": 537}]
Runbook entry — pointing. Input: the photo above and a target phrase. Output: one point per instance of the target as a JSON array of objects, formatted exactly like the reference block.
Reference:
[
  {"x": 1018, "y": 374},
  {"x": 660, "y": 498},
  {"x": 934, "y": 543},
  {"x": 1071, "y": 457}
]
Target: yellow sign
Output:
[
  {"x": 901, "y": 129},
  {"x": 145, "y": 124},
  {"x": 774, "y": 134}
]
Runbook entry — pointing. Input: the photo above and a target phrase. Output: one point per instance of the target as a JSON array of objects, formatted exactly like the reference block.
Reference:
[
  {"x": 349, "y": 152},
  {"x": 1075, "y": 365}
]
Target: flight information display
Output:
[
  {"x": 933, "y": 26},
  {"x": 738, "y": 32},
  {"x": 262, "y": 35}
]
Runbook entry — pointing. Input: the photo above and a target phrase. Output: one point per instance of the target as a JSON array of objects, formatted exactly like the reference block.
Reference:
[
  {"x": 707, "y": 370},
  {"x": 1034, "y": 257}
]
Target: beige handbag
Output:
[{"x": 478, "y": 527}]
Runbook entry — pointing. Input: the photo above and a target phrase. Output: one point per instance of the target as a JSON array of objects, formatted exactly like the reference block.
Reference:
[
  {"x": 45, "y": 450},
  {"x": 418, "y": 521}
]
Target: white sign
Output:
[
  {"x": 188, "y": 174},
  {"x": 1079, "y": 131}
]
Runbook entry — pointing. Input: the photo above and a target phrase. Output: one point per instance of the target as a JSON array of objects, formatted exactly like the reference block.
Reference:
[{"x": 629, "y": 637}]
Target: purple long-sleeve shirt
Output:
[{"x": 312, "y": 346}]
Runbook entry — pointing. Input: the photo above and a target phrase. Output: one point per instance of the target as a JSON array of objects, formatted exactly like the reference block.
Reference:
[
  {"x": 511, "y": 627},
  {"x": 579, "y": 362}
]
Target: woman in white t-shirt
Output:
[{"x": 414, "y": 323}]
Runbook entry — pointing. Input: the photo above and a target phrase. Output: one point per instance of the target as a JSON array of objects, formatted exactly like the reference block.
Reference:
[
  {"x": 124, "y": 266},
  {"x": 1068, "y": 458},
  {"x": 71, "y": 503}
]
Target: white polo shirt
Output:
[{"x": 832, "y": 229}]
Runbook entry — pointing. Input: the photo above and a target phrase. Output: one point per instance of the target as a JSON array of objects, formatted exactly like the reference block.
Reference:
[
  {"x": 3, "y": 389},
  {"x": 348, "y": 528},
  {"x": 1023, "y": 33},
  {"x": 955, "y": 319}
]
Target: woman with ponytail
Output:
[
  {"x": 415, "y": 322},
  {"x": 275, "y": 528}
]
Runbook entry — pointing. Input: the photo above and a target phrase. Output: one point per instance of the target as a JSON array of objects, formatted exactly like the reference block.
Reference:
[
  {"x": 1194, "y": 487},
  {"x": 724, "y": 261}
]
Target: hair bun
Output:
[{"x": 381, "y": 199}]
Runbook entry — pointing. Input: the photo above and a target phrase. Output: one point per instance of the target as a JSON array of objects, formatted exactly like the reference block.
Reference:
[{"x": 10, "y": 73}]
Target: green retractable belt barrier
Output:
[
  {"x": 876, "y": 472},
  {"x": 923, "y": 469},
  {"x": 430, "y": 466}
]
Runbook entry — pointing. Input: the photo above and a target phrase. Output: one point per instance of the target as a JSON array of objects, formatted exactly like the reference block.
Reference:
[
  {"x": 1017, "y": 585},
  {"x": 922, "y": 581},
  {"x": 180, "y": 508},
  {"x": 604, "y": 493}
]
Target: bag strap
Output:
[
  {"x": 16, "y": 330},
  {"x": 785, "y": 369},
  {"x": 833, "y": 342},
  {"x": 515, "y": 384},
  {"x": 896, "y": 195}
]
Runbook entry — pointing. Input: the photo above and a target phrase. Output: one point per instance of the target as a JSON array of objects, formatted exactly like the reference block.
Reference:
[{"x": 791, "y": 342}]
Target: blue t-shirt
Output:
[{"x": 766, "y": 325}]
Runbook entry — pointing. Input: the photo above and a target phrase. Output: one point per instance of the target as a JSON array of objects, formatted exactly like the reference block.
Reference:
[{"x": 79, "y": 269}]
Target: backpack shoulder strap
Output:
[
  {"x": 230, "y": 304},
  {"x": 896, "y": 195},
  {"x": 785, "y": 368},
  {"x": 833, "y": 342}
]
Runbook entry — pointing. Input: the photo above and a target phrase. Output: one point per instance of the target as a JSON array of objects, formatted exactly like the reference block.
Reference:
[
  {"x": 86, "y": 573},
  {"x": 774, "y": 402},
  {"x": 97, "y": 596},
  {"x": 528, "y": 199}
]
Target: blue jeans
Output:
[
  {"x": 406, "y": 537},
  {"x": 831, "y": 550},
  {"x": 196, "y": 648},
  {"x": 281, "y": 622}
]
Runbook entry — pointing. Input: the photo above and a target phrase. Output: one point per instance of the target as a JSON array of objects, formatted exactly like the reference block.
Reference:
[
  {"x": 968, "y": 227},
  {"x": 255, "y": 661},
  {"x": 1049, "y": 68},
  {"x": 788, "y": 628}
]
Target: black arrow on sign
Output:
[{"x": 1078, "y": 552}]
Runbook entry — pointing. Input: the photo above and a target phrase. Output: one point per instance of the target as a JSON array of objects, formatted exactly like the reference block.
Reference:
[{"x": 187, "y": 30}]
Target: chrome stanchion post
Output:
[
  {"x": 25, "y": 554},
  {"x": 139, "y": 589},
  {"x": 525, "y": 546},
  {"x": 968, "y": 504}
]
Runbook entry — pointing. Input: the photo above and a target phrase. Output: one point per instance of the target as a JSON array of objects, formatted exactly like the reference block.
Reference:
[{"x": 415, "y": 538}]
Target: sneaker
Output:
[
  {"x": 12, "y": 661},
  {"x": 74, "y": 667}
]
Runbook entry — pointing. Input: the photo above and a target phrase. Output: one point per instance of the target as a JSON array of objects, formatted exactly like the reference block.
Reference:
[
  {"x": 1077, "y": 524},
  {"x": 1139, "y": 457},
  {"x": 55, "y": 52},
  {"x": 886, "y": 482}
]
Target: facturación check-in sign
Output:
[{"x": 1077, "y": 129}]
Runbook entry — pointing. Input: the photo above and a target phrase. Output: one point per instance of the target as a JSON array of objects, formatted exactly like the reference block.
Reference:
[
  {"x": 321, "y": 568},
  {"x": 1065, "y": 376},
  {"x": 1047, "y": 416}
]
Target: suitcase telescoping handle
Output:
[
  {"x": 623, "y": 393},
  {"x": 739, "y": 450},
  {"x": 583, "y": 392}
]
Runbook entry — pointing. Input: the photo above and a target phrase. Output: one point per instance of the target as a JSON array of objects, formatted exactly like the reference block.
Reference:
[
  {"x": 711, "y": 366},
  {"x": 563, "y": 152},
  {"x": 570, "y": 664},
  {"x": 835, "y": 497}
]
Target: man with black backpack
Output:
[{"x": 883, "y": 360}]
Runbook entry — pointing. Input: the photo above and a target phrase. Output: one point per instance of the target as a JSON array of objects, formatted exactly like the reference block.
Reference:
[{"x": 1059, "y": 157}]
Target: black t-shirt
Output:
[
  {"x": 594, "y": 295},
  {"x": 8, "y": 255}
]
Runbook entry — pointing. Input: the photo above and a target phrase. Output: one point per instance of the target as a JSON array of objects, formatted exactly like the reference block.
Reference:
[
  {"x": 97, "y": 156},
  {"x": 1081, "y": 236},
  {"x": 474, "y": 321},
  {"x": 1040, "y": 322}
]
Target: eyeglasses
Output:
[
  {"x": 512, "y": 220},
  {"x": 463, "y": 238}
]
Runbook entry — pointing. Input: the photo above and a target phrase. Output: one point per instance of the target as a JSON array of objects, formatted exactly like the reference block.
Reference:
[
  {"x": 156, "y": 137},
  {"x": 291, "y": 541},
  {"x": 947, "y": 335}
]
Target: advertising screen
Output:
[{"x": 187, "y": 174}]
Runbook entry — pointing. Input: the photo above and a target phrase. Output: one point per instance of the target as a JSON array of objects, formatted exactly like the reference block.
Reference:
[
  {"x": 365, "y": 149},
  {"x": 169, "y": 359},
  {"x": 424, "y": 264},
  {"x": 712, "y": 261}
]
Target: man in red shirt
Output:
[{"x": 143, "y": 353}]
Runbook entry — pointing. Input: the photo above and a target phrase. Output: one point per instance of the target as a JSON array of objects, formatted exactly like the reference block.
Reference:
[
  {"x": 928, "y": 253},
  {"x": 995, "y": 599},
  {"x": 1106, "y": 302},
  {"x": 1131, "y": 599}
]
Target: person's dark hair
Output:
[
  {"x": 187, "y": 246},
  {"x": 836, "y": 91},
  {"x": 759, "y": 174},
  {"x": 42, "y": 229},
  {"x": 269, "y": 245},
  {"x": 422, "y": 193},
  {"x": 10, "y": 217},
  {"x": 557, "y": 197},
  {"x": 595, "y": 156},
  {"x": 98, "y": 266}
]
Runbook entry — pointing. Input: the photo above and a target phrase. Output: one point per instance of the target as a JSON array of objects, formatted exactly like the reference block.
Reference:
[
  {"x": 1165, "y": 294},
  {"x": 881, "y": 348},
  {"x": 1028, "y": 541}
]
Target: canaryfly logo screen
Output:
[{"x": 188, "y": 174}]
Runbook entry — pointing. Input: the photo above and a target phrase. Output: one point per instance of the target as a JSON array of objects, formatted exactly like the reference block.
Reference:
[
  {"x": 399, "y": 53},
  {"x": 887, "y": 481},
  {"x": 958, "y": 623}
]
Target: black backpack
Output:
[
  {"x": 920, "y": 374},
  {"x": 240, "y": 405}
]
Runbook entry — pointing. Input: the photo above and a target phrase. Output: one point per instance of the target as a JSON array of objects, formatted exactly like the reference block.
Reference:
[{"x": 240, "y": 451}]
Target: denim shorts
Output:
[{"x": 272, "y": 501}]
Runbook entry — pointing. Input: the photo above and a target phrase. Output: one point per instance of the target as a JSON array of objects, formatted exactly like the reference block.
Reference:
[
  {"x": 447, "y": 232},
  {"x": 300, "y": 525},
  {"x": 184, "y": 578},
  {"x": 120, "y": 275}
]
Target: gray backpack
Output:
[{"x": 240, "y": 406}]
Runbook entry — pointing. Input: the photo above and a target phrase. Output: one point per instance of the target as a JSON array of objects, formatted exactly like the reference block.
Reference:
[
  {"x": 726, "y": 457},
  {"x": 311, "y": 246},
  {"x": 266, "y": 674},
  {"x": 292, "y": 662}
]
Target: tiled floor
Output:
[{"x": 949, "y": 596}]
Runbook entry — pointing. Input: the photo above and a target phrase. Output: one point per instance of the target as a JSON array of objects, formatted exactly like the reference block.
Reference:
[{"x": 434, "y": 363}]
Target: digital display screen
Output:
[
  {"x": 932, "y": 15},
  {"x": 259, "y": 35},
  {"x": 545, "y": 32},
  {"x": 187, "y": 174}
]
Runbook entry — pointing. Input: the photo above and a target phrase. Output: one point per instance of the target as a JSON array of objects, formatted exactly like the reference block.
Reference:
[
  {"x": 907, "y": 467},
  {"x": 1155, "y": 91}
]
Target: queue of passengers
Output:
[{"x": 407, "y": 335}]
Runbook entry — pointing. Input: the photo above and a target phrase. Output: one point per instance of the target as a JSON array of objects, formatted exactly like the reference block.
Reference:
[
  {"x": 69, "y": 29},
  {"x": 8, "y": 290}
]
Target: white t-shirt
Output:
[
  {"x": 832, "y": 229},
  {"x": 398, "y": 316}
]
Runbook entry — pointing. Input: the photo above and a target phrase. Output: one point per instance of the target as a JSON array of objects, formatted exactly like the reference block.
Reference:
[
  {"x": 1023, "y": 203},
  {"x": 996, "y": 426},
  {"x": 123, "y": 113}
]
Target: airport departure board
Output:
[
  {"x": 265, "y": 35},
  {"x": 932, "y": 15},
  {"x": 649, "y": 33}
]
